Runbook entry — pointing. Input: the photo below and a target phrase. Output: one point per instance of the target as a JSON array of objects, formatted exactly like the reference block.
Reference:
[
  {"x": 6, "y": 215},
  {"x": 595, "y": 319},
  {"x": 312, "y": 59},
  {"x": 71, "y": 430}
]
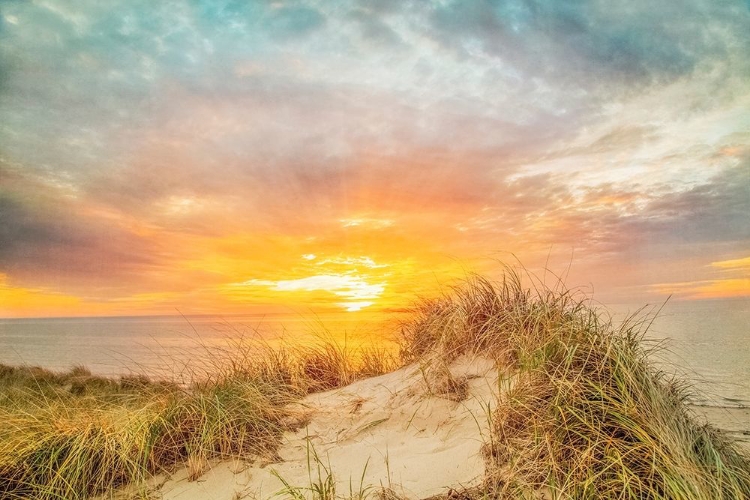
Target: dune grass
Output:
[
  {"x": 73, "y": 435},
  {"x": 583, "y": 414},
  {"x": 57, "y": 442},
  {"x": 587, "y": 415}
]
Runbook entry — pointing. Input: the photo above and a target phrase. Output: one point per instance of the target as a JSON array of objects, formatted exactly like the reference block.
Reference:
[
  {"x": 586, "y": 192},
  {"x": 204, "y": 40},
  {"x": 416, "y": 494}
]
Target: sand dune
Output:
[{"x": 390, "y": 431}]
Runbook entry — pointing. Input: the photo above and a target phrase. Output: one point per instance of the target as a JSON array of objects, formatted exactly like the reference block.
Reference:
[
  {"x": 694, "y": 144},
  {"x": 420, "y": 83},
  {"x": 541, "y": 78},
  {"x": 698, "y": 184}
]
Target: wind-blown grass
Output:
[
  {"x": 587, "y": 415},
  {"x": 73, "y": 435},
  {"x": 55, "y": 443}
]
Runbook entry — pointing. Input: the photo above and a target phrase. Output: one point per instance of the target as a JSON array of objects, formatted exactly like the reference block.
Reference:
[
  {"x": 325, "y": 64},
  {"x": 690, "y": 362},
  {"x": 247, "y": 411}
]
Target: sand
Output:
[
  {"x": 394, "y": 431},
  {"x": 389, "y": 431}
]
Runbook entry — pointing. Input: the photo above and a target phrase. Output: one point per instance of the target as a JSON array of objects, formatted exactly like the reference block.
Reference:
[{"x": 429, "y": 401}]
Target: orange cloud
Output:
[
  {"x": 25, "y": 302},
  {"x": 743, "y": 264},
  {"x": 356, "y": 291},
  {"x": 709, "y": 289}
]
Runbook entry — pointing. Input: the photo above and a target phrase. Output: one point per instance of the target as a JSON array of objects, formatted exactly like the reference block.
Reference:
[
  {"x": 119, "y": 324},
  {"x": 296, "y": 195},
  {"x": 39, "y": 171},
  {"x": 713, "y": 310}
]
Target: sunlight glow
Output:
[
  {"x": 355, "y": 306},
  {"x": 353, "y": 261},
  {"x": 341, "y": 285},
  {"x": 373, "y": 223}
]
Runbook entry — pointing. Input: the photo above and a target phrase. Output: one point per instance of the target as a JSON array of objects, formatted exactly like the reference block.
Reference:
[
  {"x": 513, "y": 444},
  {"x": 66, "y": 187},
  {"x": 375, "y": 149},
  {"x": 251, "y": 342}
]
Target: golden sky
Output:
[{"x": 265, "y": 157}]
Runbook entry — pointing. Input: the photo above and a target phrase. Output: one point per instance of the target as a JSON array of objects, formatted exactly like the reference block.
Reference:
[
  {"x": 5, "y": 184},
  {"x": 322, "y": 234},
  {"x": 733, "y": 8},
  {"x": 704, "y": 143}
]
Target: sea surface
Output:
[
  {"x": 705, "y": 342},
  {"x": 163, "y": 346}
]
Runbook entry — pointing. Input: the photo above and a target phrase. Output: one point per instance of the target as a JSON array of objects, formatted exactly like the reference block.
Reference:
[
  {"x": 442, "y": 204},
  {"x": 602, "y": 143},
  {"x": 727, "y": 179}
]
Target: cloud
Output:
[
  {"x": 733, "y": 264},
  {"x": 709, "y": 289},
  {"x": 369, "y": 222},
  {"x": 357, "y": 291},
  {"x": 352, "y": 262},
  {"x": 287, "y": 22},
  {"x": 349, "y": 286},
  {"x": 375, "y": 30},
  {"x": 585, "y": 42},
  {"x": 715, "y": 211},
  {"x": 43, "y": 232},
  {"x": 655, "y": 223}
]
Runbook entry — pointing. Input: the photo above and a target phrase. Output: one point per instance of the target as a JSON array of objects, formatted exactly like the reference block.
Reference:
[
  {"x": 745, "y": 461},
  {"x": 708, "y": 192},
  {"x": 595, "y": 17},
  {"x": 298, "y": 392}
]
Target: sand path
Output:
[{"x": 387, "y": 431}]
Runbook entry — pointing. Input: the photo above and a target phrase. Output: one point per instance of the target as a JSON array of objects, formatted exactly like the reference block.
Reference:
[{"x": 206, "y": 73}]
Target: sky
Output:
[{"x": 271, "y": 156}]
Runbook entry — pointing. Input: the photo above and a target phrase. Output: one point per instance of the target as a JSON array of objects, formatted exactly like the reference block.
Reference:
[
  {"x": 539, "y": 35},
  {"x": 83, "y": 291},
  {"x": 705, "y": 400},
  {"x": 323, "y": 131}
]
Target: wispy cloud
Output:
[
  {"x": 352, "y": 262},
  {"x": 355, "y": 289},
  {"x": 711, "y": 289},
  {"x": 733, "y": 264}
]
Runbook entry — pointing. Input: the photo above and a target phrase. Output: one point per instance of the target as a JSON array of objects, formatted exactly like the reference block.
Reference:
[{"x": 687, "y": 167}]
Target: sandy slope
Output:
[{"x": 392, "y": 428}]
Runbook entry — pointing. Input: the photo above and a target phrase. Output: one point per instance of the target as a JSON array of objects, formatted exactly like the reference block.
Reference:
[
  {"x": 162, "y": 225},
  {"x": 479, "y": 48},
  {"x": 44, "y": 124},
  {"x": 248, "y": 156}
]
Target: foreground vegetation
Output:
[
  {"x": 582, "y": 415},
  {"x": 73, "y": 435},
  {"x": 585, "y": 415}
]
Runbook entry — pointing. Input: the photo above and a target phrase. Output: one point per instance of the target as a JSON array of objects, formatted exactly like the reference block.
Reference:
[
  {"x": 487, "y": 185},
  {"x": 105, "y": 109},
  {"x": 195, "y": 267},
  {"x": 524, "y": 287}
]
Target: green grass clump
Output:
[{"x": 587, "y": 415}]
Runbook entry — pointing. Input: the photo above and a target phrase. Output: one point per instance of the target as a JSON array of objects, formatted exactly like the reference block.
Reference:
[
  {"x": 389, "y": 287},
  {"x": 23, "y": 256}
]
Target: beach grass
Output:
[
  {"x": 586, "y": 414},
  {"x": 583, "y": 412},
  {"x": 74, "y": 435}
]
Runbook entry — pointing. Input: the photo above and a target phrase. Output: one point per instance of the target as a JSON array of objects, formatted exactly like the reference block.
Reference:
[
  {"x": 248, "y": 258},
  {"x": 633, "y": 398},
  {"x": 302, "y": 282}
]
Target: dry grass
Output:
[
  {"x": 73, "y": 435},
  {"x": 58, "y": 444},
  {"x": 588, "y": 417}
]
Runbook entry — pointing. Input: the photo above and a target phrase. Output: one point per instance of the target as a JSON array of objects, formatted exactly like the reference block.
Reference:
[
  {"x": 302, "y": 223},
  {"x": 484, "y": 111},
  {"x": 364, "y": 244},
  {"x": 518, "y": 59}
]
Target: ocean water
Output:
[
  {"x": 164, "y": 345},
  {"x": 706, "y": 342}
]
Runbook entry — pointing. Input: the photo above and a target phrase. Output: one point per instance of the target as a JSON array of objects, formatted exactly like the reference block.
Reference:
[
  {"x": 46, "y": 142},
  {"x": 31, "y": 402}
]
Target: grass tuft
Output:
[
  {"x": 588, "y": 416},
  {"x": 73, "y": 435}
]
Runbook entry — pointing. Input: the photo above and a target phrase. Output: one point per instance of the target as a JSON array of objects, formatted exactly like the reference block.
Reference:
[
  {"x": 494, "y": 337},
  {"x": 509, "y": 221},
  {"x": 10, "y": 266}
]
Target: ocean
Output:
[
  {"x": 705, "y": 342},
  {"x": 161, "y": 346}
]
